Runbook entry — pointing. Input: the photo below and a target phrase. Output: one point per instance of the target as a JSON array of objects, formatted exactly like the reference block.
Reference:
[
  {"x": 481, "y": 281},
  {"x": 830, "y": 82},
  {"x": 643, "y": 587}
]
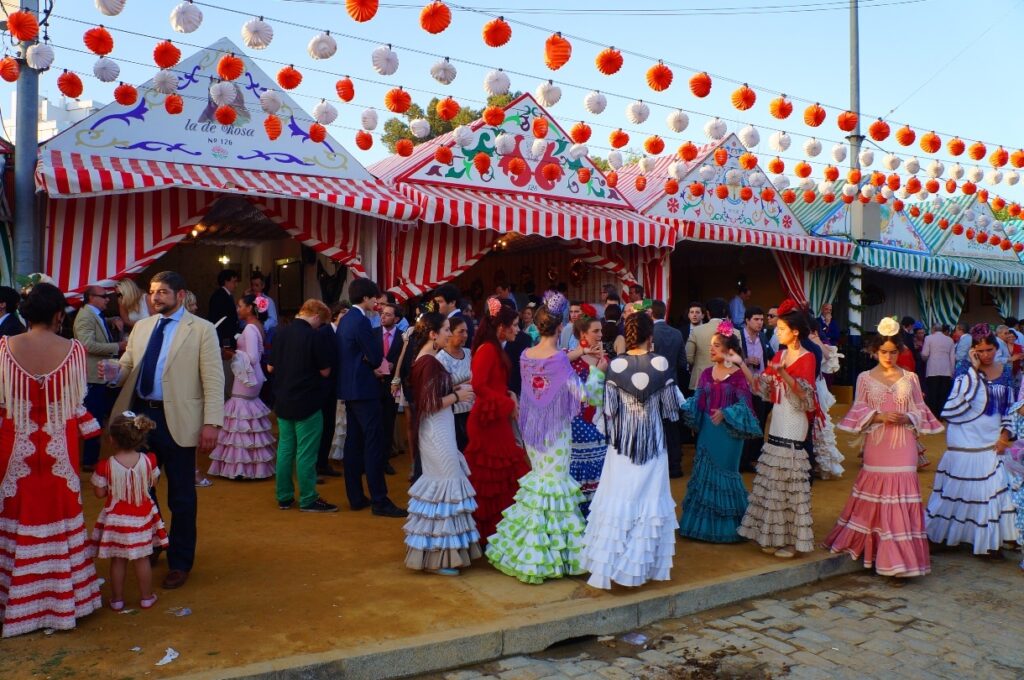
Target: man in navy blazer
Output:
[{"x": 360, "y": 366}]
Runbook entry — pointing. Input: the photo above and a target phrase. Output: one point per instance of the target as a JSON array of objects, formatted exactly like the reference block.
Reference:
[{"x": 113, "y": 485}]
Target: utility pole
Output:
[
  {"x": 856, "y": 281},
  {"x": 27, "y": 232}
]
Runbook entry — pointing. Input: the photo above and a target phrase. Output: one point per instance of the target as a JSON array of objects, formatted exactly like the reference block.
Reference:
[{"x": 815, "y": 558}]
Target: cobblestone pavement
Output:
[{"x": 965, "y": 620}]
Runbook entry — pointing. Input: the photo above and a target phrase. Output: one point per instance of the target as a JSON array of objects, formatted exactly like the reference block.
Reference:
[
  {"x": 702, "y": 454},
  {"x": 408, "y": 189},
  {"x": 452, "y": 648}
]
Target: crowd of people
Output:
[{"x": 543, "y": 433}]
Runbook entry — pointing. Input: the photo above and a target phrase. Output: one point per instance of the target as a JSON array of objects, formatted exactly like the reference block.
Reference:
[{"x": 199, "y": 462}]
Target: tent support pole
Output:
[{"x": 27, "y": 241}]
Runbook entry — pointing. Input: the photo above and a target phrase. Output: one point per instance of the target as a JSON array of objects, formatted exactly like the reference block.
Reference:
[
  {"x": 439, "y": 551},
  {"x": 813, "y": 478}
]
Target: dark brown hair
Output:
[
  {"x": 128, "y": 432},
  {"x": 546, "y": 322},
  {"x": 639, "y": 328},
  {"x": 582, "y": 325}
]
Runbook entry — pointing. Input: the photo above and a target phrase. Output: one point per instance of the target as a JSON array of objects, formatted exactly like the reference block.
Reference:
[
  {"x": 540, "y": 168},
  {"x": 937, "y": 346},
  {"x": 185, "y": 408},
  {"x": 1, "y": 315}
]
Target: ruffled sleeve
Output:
[
  {"x": 490, "y": 385},
  {"x": 593, "y": 388},
  {"x": 88, "y": 427},
  {"x": 803, "y": 396},
  {"x": 670, "y": 401},
  {"x": 965, "y": 403},
  {"x": 740, "y": 421},
  {"x": 858, "y": 419},
  {"x": 919, "y": 414},
  {"x": 101, "y": 475},
  {"x": 154, "y": 469},
  {"x": 691, "y": 412}
]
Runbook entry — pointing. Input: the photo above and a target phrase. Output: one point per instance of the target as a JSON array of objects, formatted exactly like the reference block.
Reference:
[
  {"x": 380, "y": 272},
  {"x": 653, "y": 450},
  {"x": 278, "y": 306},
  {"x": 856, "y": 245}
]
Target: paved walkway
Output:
[{"x": 965, "y": 620}]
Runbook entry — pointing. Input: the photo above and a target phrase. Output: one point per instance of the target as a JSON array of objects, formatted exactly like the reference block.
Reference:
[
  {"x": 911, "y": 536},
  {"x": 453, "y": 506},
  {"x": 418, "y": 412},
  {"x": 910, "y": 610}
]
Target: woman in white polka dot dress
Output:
[{"x": 630, "y": 536}]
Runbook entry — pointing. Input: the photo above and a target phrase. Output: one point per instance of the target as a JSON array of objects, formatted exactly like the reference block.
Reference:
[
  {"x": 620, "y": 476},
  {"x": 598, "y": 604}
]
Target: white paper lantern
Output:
[
  {"x": 998, "y": 226},
  {"x": 734, "y": 177},
  {"x": 749, "y": 136},
  {"x": 257, "y": 34},
  {"x": 548, "y": 94},
  {"x": 39, "y": 56},
  {"x": 369, "y": 119},
  {"x": 271, "y": 102},
  {"x": 577, "y": 151},
  {"x": 384, "y": 60},
  {"x": 223, "y": 94},
  {"x": 812, "y": 147},
  {"x": 106, "y": 70},
  {"x": 110, "y": 8},
  {"x": 707, "y": 173},
  {"x": 165, "y": 82},
  {"x": 496, "y": 83},
  {"x": 983, "y": 221},
  {"x": 993, "y": 177},
  {"x": 867, "y": 191},
  {"x": 955, "y": 208},
  {"x": 756, "y": 179},
  {"x": 936, "y": 203},
  {"x": 322, "y": 46},
  {"x": 677, "y": 121},
  {"x": 826, "y": 187},
  {"x": 968, "y": 216},
  {"x": 615, "y": 159},
  {"x": 839, "y": 153},
  {"x": 975, "y": 174},
  {"x": 538, "y": 149},
  {"x": 595, "y": 103},
  {"x": 891, "y": 161},
  {"x": 1012, "y": 177},
  {"x": 715, "y": 129},
  {"x": 325, "y": 113},
  {"x": 935, "y": 169},
  {"x": 849, "y": 189},
  {"x": 637, "y": 112},
  {"x": 504, "y": 144},
  {"x": 1011, "y": 230},
  {"x": 922, "y": 195},
  {"x": 186, "y": 17},
  {"x": 779, "y": 141},
  {"x": 781, "y": 182},
  {"x": 464, "y": 136},
  {"x": 443, "y": 72},
  {"x": 912, "y": 166},
  {"x": 886, "y": 193},
  {"x": 806, "y": 184},
  {"x": 867, "y": 157},
  {"x": 420, "y": 128},
  {"x": 676, "y": 170},
  {"x": 903, "y": 194},
  {"x": 646, "y": 164}
]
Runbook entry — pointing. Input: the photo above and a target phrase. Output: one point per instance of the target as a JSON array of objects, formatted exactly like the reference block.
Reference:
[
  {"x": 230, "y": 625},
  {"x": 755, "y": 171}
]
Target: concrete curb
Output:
[{"x": 431, "y": 653}]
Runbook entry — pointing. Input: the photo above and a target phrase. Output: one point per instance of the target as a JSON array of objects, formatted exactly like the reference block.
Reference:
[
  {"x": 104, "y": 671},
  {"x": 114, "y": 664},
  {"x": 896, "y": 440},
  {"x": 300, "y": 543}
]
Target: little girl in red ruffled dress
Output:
[{"x": 129, "y": 526}]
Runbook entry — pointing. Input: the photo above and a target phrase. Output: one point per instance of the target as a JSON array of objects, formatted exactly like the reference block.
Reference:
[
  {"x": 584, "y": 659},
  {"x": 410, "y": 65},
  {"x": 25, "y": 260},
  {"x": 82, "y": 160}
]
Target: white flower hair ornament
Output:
[{"x": 888, "y": 327}]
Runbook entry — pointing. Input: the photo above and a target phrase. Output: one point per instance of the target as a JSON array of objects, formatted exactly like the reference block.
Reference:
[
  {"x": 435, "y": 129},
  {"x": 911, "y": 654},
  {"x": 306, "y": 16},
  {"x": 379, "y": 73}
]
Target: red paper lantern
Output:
[
  {"x": 687, "y": 151},
  {"x": 1017, "y": 158},
  {"x": 999, "y": 157},
  {"x": 166, "y": 54},
  {"x": 994, "y": 240},
  {"x": 539, "y": 128},
  {"x": 552, "y": 171},
  {"x": 828, "y": 198},
  {"x": 398, "y": 100},
  {"x": 671, "y": 187},
  {"x": 854, "y": 176},
  {"x": 721, "y": 156},
  {"x": 482, "y": 163},
  {"x": 444, "y": 156},
  {"x": 802, "y": 170},
  {"x": 557, "y": 51},
  {"x": 879, "y": 130},
  {"x": 814, "y": 115},
  {"x": 746, "y": 193},
  {"x": 435, "y": 17},
  {"x": 230, "y": 67},
  {"x": 1018, "y": 247},
  {"x": 1014, "y": 210},
  {"x": 931, "y": 186},
  {"x": 1005, "y": 244},
  {"x": 722, "y": 191},
  {"x": 447, "y": 108},
  {"x": 998, "y": 204},
  {"x": 747, "y": 161},
  {"x": 968, "y": 188},
  {"x": 950, "y": 185},
  {"x": 364, "y": 140},
  {"x": 955, "y": 146},
  {"x": 930, "y": 142},
  {"x": 654, "y": 145},
  {"x": 776, "y": 166},
  {"x": 272, "y": 125},
  {"x": 958, "y": 229},
  {"x": 767, "y": 194},
  {"x": 897, "y": 205},
  {"x": 983, "y": 195},
  {"x": 976, "y": 151},
  {"x": 943, "y": 223},
  {"x": 174, "y": 105},
  {"x": 289, "y": 78},
  {"x": 640, "y": 183},
  {"x": 880, "y": 199},
  {"x": 346, "y": 89},
  {"x": 23, "y": 26},
  {"x": 580, "y": 133},
  {"x": 608, "y": 61},
  {"x": 226, "y": 115},
  {"x": 905, "y": 136},
  {"x": 9, "y": 69},
  {"x": 928, "y": 218},
  {"x": 618, "y": 139},
  {"x": 970, "y": 233},
  {"x": 915, "y": 211},
  {"x": 847, "y": 121},
  {"x": 788, "y": 196},
  {"x": 831, "y": 173},
  {"x": 913, "y": 185},
  {"x": 877, "y": 179},
  {"x": 583, "y": 175},
  {"x": 700, "y": 84},
  {"x": 612, "y": 178},
  {"x": 847, "y": 199},
  {"x": 696, "y": 189},
  {"x": 780, "y": 107},
  {"x": 404, "y": 147},
  {"x": 744, "y": 98},
  {"x": 98, "y": 41},
  {"x": 659, "y": 77},
  {"x": 497, "y": 32},
  {"x": 125, "y": 94},
  {"x": 893, "y": 181},
  {"x": 318, "y": 133},
  {"x": 70, "y": 85},
  {"x": 361, "y": 10}
]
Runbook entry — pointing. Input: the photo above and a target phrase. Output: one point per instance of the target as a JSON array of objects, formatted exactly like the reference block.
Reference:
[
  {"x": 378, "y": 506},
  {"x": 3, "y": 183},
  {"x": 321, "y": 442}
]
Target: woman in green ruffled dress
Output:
[{"x": 541, "y": 535}]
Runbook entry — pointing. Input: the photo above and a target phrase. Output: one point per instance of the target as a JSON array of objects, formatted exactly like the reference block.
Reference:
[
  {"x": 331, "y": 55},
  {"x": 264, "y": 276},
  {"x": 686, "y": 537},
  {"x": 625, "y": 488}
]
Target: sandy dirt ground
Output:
[{"x": 270, "y": 584}]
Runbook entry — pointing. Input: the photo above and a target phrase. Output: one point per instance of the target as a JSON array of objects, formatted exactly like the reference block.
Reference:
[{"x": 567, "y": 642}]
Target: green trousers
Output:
[{"x": 298, "y": 443}]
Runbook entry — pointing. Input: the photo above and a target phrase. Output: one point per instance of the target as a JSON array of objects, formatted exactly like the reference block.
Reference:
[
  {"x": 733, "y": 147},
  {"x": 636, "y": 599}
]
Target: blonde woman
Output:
[{"x": 132, "y": 303}]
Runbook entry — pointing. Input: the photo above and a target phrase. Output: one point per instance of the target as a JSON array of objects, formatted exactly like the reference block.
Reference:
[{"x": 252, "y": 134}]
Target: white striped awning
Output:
[
  {"x": 999, "y": 273},
  {"x": 70, "y": 175},
  {"x": 537, "y": 215},
  {"x": 915, "y": 265},
  {"x": 794, "y": 243}
]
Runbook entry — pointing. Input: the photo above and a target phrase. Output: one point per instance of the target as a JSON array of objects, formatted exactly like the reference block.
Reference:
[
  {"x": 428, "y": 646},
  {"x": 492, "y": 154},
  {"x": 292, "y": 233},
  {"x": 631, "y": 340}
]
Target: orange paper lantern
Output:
[
  {"x": 608, "y": 61},
  {"x": 70, "y": 85},
  {"x": 1014, "y": 210},
  {"x": 955, "y": 146},
  {"x": 802, "y": 170},
  {"x": 970, "y": 233},
  {"x": 580, "y": 133},
  {"x": 125, "y": 94},
  {"x": 746, "y": 193},
  {"x": 847, "y": 121},
  {"x": 671, "y": 187},
  {"x": 744, "y": 98},
  {"x": 928, "y": 218},
  {"x": 654, "y": 145},
  {"x": 166, "y": 54},
  {"x": 225, "y": 115},
  {"x": 557, "y": 51},
  {"x": 994, "y": 240},
  {"x": 722, "y": 191},
  {"x": 958, "y": 229},
  {"x": 482, "y": 163},
  {"x": 435, "y": 17},
  {"x": 969, "y": 188},
  {"x": 174, "y": 105},
  {"x": 271, "y": 124},
  {"x": 913, "y": 185},
  {"x": 905, "y": 136},
  {"x": 776, "y": 166},
  {"x": 23, "y": 26},
  {"x": 364, "y": 140},
  {"x": 98, "y": 41},
  {"x": 831, "y": 173},
  {"x": 641, "y": 183},
  {"x": 700, "y": 84},
  {"x": 289, "y": 78},
  {"x": 747, "y": 161},
  {"x": 809, "y": 196},
  {"x": 447, "y": 108},
  {"x": 444, "y": 156},
  {"x": 494, "y": 116},
  {"x": 998, "y": 204},
  {"x": 814, "y": 115},
  {"x": 780, "y": 107},
  {"x": 539, "y": 127},
  {"x": 618, "y": 139},
  {"x": 404, "y": 147},
  {"x": 915, "y": 211},
  {"x": 879, "y": 130},
  {"x": 854, "y": 176},
  {"x": 318, "y": 133},
  {"x": 1005, "y": 244},
  {"x": 230, "y": 67},
  {"x": 877, "y": 179},
  {"x": 346, "y": 89},
  {"x": 768, "y": 194},
  {"x": 721, "y": 156},
  {"x": 397, "y": 100},
  {"x": 931, "y": 186},
  {"x": 687, "y": 151},
  {"x": 361, "y": 10},
  {"x": 976, "y": 151},
  {"x": 497, "y": 32},
  {"x": 612, "y": 178},
  {"x": 583, "y": 175},
  {"x": 696, "y": 189},
  {"x": 659, "y": 77},
  {"x": 950, "y": 185},
  {"x": 999, "y": 157},
  {"x": 1018, "y": 247},
  {"x": 880, "y": 198},
  {"x": 847, "y": 199},
  {"x": 983, "y": 195},
  {"x": 9, "y": 69},
  {"x": 930, "y": 142},
  {"x": 893, "y": 181},
  {"x": 788, "y": 196},
  {"x": 897, "y": 205},
  {"x": 1017, "y": 158}
]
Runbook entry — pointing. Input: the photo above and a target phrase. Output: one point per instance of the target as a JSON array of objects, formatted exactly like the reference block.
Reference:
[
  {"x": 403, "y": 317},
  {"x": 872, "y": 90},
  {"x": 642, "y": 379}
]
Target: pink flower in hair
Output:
[
  {"x": 725, "y": 328},
  {"x": 262, "y": 304},
  {"x": 493, "y": 306}
]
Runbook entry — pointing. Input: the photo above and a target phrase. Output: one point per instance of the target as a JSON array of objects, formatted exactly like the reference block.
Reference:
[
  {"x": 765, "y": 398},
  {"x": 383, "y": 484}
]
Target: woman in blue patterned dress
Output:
[{"x": 589, "y": 442}]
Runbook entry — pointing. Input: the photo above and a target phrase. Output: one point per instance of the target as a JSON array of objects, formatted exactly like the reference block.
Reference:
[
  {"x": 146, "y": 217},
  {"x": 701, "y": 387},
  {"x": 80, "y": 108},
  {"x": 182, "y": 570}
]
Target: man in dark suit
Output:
[
  {"x": 668, "y": 342},
  {"x": 10, "y": 324},
  {"x": 360, "y": 367},
  {"x": 446, "y": 298},
  {"x": 222, "y": 306},
  {"x": 694, "y": 318},
  {"x": 391, "y": 344}
]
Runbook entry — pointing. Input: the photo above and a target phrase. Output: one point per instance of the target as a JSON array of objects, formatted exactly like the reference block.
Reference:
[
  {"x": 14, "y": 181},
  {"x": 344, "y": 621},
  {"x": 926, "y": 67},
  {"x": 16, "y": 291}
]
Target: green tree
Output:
[
  {"x": 398, "y": 128},
  {"x": 601, "y": 164}
]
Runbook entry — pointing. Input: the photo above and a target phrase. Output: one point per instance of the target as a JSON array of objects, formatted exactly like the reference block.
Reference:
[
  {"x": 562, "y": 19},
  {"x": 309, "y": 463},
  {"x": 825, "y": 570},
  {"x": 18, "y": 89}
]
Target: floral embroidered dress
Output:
[
  {"x": 630, "y": 536},
  {"x": 245, "y": 445},
  {"x": 589, "y": 443},
  {"x": 47, "y": 579},
  {"x": 883, "y": 520},
  {"x": 541, "y": 535},
  {"x": 129, "y": 525},
  {"x": 779, "y": 509},
  {"x": 970, "y": 501},
  {"x": 716, "y": 499},
  {"x": 495, "y": 459}
]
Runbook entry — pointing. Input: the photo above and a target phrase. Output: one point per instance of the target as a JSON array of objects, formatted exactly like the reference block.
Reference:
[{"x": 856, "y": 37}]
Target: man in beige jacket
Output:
[
  {"x": 172, "y": 373},
  {"x": 92, "y": 330},
  {"x": 698, "y": 345}
]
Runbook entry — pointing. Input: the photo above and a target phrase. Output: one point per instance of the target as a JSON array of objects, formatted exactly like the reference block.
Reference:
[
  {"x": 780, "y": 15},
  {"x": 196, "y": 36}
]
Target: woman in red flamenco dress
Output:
[
  {"x": 496, "y": 461},
  {"x": 47, "y": 579}
]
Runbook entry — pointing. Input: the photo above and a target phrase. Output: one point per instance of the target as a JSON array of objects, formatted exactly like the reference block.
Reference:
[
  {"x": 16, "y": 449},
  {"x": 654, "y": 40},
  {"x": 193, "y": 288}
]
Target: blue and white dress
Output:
[{"x": 589, "y": 441}]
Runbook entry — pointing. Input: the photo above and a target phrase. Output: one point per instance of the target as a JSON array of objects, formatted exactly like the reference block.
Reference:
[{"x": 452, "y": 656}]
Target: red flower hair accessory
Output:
[
  {"x": 262, "y": 304},
  {"x": 588, "y": 310},
  {"x": 493, "y": 306},
  {"x": 725, "y": 328},
  {"x": 788, "y": 305}
]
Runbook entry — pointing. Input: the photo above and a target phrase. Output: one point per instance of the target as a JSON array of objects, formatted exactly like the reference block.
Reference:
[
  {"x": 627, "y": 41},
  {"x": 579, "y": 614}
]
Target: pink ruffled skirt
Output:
[{"x": 245, "y": 447}]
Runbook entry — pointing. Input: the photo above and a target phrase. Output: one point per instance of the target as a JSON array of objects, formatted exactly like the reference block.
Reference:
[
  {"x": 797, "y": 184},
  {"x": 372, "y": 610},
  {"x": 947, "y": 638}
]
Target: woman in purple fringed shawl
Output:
[{"x": 541, "y": 535}]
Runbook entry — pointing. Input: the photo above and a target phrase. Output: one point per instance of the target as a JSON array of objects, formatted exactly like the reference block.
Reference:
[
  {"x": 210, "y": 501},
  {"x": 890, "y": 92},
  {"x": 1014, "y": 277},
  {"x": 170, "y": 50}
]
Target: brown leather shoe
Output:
[{"x": 176, "y": 578}]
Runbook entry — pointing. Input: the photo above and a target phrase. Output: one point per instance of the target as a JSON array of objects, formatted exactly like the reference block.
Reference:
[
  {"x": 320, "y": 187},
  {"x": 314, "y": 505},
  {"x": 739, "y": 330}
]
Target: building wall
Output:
[{"x": 54, "y": 116}]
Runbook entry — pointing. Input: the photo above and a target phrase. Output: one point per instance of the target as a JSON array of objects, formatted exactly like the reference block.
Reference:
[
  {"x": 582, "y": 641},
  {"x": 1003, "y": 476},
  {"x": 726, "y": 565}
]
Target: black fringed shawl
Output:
[{"x": 639, "y": 394}]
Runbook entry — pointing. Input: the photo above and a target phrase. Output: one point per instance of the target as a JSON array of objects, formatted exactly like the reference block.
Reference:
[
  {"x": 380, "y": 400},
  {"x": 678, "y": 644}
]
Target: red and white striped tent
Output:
[
  {"x": 128, "y": 183},
  {"x": 465, "y": 212}
]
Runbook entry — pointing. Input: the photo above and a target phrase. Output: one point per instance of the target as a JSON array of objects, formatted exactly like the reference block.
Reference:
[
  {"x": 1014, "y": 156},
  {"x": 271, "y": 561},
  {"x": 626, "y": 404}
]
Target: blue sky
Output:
[{"x": 802, "y": 53}]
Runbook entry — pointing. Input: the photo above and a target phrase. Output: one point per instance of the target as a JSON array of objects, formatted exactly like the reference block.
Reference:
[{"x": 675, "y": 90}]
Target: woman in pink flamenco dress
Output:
[
  {"x": 883, "y": 520},
  {"x": 245, "y": 446}
]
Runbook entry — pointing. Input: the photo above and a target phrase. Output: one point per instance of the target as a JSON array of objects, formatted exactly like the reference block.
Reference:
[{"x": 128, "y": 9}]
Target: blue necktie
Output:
[{"x": 149, "y": 360}]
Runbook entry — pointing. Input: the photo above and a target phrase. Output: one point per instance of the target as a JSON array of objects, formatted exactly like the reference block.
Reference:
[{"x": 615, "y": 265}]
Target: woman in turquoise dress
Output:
[
  {"x": 541, "y": 533},
  {"x": 721, "y": 411}
]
